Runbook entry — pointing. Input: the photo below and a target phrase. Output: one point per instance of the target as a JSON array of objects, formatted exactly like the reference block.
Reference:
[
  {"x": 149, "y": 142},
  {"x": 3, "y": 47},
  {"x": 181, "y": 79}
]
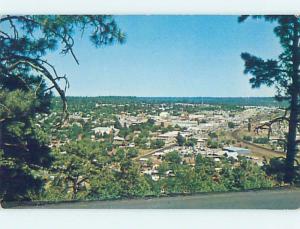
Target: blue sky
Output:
[{"x": 171, "y": 56}]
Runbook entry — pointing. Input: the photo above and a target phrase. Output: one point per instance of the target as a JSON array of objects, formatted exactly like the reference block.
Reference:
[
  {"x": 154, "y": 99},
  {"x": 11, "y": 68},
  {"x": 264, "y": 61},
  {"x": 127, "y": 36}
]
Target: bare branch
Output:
[
  {"x": 37, "y": 88},
  {"x": 14, "y": 28},
  {"x": 7, "y": 18},
  {"x": 49, "y": 89},
  {"x": 268, "y": 125},
  {"x": 5, "y": 34}
]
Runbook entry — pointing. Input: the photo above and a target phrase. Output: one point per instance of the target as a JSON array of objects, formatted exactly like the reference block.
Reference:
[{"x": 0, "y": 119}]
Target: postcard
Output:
[{"x": 149, "y": 112}]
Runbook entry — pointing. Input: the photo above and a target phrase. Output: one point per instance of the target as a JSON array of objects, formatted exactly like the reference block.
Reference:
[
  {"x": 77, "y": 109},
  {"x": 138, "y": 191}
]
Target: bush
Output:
[
  {"x": 213, "y": 135},
  {"x": 263, "y": 140},
  {"x": 231, "y": 125},
  {"x": 247, "y": 138},
  {"x": 275, "y": 168},
  {"x": 191, "y": 142},
  {"x": 132, "y": 152},
  {"x": 212, "y": 144},
  {"x": 156, "y": 144}
]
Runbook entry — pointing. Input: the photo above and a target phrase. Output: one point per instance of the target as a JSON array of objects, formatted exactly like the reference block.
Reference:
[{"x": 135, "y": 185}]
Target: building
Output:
[
  {"x": 118, "y": 140},
  {"x": 184, "y": 123},
  {"x": 164, "y": 115},
  {"x": 168, "y": 136},
  {"x": 241, "y": 151},
  {"x": 201, "y": 142},
  {"x": 103, "y": 130}
]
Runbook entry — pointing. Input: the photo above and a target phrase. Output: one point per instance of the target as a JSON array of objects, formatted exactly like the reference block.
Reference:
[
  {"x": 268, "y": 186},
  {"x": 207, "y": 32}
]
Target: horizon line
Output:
[{"x": 135, "y": 96}]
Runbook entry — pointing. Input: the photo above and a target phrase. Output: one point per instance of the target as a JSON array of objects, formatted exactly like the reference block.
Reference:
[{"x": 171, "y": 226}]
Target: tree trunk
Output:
[
  {"x": 291, "y": 143},
  {"x": 293, "y": 121},
  {"x": 75, "y": 189},
  {"x": 249, "y": 125},
  {"x": 269, "y": 132},
  {"x": 1, "y": 134}
]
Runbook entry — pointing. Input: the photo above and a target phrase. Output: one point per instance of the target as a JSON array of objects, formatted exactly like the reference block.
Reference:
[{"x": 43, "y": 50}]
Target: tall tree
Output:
[
  {"x": 76, "y": 164},
  {"x": 283, "y": 73},
  {"x": 27, "y": 80},
  {"x": 180, "y": 139}
]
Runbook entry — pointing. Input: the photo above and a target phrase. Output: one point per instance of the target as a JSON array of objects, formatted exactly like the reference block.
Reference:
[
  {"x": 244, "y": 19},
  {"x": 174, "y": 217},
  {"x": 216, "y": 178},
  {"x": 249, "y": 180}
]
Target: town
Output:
[{"x": 155, "y": 129}]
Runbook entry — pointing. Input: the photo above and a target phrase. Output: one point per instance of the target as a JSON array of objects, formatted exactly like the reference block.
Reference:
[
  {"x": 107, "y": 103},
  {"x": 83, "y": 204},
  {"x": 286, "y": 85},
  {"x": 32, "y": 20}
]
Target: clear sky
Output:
[{"x": 171, "y": 56}]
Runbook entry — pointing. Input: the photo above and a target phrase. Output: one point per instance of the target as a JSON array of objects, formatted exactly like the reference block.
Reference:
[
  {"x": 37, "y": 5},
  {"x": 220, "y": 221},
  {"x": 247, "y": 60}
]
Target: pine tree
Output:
[
  {"x": 27, "y": 80},
  {"x": 283, "y": 73}
]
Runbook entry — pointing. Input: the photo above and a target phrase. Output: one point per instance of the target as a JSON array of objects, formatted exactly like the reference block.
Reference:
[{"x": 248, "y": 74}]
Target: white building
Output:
[{"x": 103, "y": 130}]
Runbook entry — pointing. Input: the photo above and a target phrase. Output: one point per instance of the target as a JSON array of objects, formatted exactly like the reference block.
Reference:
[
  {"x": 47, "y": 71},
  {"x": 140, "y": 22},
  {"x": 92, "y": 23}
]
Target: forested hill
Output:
[{"x": 238, "y": 101}]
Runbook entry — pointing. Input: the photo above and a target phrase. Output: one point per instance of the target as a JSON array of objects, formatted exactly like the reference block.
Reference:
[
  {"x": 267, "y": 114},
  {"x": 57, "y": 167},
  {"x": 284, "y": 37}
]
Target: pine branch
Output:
[
  {"x": 66, "y": 39},
  {"x": 37, "y": 64}
]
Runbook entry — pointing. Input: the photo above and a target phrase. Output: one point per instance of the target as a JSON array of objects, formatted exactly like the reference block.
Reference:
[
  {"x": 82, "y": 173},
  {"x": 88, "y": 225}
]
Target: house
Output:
[
  {"x": 234, "y": 155},
  {"x": 75, "y": 117},
  {"x": 131, "y": 120},
  {"x": 159, "y": 154},
  {"x": 201, "y": 142},
  {"x": 163, "y": 123},
  {"x": 184, "y": 123},
  {"x": 215, "y": 154},
  {"x": 164, "y": 115},
  {"x": 131, "y": 145},
  {"x": 118, "y": 140},
  {"x": 241, "y": 151},
  {"x": 168, "y": 135},
  {"x": 143, "y": 161},
  {"x": 196, "y": 117},
  {"x": 155, "y": 177},
  {"x": 103, "y": 130}
]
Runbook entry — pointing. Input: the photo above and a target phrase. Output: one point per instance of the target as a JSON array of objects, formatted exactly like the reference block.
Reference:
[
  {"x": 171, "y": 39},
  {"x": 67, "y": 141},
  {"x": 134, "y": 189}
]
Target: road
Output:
[
  {"x": 257, "y": 150},
  {"x": 266, "y": 199},
  {"x": 156, "y": 150}
]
